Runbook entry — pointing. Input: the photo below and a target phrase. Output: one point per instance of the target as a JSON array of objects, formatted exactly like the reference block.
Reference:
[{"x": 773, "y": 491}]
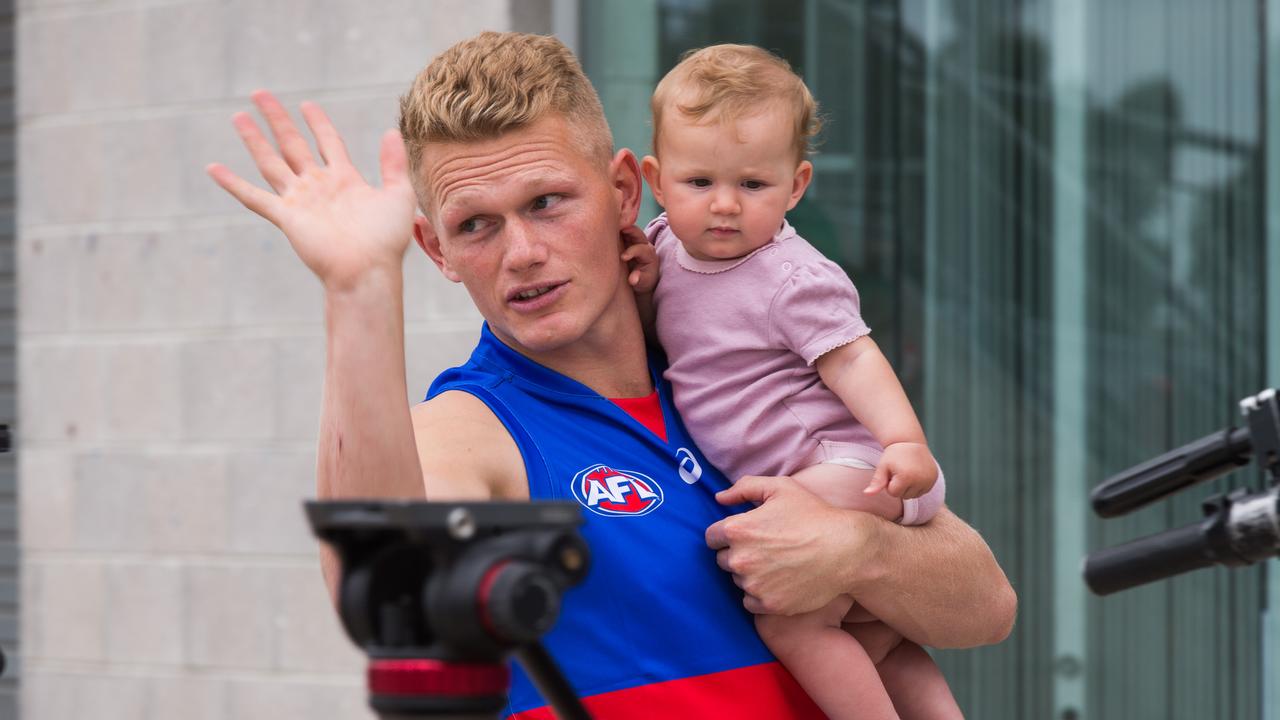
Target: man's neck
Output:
[{"x": 610, "y": 358}]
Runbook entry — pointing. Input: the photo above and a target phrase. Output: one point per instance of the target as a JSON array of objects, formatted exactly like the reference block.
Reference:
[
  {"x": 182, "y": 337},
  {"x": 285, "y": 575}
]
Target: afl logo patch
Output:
[{"x": 606, "y": 491}]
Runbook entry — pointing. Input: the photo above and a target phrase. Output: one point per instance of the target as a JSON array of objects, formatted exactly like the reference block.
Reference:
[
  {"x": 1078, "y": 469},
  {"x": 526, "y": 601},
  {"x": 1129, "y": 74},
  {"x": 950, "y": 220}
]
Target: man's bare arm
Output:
[
  {"x": 938, "y": 584},
  {"x": 353, "y": 236}
]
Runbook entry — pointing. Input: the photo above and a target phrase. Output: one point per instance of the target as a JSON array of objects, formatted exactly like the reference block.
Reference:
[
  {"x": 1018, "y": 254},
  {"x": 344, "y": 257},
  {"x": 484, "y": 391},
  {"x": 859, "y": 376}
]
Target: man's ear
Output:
[
  {"x": 429, "y": 241},
  {"x": 651, "y": 170},
  {"x": 804, "y": 174},
  {"x": 624, "y": 173}
]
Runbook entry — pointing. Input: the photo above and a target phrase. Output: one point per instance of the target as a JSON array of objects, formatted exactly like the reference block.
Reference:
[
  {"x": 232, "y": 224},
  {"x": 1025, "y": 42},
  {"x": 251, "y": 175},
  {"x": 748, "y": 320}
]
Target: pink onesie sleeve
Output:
[{"x": 816, "y": 311}]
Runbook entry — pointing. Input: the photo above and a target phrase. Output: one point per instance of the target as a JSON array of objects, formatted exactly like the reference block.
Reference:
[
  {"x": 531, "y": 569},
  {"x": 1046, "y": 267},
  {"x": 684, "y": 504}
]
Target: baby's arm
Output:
[
  {"x": 641, "y": 259},
  {"x": 863, "y": 379}
]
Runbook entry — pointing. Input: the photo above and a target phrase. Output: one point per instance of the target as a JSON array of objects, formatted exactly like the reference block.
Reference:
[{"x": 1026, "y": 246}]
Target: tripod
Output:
[{"x": 438, "y": 595}]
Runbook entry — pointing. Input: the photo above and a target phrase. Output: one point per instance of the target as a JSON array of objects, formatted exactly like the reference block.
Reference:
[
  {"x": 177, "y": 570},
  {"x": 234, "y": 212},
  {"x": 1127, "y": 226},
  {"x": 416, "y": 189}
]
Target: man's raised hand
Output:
[{"x": 337, "y": 223}]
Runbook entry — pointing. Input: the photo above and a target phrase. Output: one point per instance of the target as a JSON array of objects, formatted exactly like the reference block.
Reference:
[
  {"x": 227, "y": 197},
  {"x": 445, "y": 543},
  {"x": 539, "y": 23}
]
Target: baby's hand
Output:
[
  {"x": 906, "y": 470},
  {"x": 641, "y": 259}
]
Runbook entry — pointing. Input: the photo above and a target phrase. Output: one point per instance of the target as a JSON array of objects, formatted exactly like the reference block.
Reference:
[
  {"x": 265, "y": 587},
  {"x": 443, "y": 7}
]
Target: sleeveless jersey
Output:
[{"x": 656, "y": 629}]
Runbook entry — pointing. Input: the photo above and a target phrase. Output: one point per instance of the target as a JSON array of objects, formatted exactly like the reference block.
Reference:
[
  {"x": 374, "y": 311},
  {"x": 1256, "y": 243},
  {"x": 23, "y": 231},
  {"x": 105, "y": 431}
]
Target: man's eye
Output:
[
  {"x": 700, "y": 182},
  {"x": 752, "y": 184},
  {"x": 542, "y": 202},
  {"x": 470, "y": 225}
]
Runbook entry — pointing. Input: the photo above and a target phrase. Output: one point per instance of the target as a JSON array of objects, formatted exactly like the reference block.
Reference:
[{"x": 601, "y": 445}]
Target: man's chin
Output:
[{"x": 539, "y": 336}]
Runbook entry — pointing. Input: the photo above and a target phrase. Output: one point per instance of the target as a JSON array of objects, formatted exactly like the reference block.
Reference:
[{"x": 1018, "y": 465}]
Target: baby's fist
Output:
[{"x": 906, "y": 470}]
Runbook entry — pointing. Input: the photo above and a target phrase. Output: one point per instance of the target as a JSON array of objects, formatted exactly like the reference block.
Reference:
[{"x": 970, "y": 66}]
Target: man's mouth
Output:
[{"x": 534, "y": 296}]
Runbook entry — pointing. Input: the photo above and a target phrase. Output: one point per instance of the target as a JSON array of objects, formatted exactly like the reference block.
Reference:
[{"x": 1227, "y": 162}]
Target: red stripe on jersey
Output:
[
  {"x": 646, "y": 410},
  {"x": 757, "y": 691}
]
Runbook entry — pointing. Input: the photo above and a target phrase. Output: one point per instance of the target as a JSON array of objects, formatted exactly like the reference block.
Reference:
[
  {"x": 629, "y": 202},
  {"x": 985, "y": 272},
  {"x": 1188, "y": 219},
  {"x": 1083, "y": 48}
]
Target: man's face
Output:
[{"x": 529, "y": 224}]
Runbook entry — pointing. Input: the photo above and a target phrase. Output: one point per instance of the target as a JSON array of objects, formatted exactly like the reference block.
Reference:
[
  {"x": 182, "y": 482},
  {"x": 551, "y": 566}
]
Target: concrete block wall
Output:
[{"x": 171, "y": 349}]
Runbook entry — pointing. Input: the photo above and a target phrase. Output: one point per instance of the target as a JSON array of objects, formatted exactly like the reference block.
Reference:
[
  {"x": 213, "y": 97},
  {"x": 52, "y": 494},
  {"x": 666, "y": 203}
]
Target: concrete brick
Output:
[
  {"x": 143, "y": 179},
  {"x": 269, "y": 284},
  {"x": 64, "y": 696},
  {"x": 311, "y": 638},
  {"x": 63, "y": 173},
  {"x": 110, "y": 508},
  {"x": 187, "y": 698},
  {"x": 46, "y": 494},
  {"x": 145, "y": 606},
  {"x": 45, "y": 296},
  {"x": 266, "y": 494},
  {"x": 73, "y": 612},
  {"x": 431, "y": 296},
  {"x": 109, "y": 65},
  {"x": 60, "y": 397},
  {"x": 31, "y": 609},
  {"x": 186, "y": 504},
  {"x": 429, "y": 352},
  {"x": 229, "y": 617},
  {"x": 228, "y": 389},
  {"x": 292, "y": 700},
  {"x": 187, "y": 52},
  {"x": 151, "y": 503},
  {"x": 187, "y": 276},
  {"x": 384, "y": 42},
  {"x": 278, "y": 45},
  {"x": 299, "y": 379},
  {"x": 44, "y": 66},
  {"x": 151, "y": 280},
  {"x": 142, "y": 392}
]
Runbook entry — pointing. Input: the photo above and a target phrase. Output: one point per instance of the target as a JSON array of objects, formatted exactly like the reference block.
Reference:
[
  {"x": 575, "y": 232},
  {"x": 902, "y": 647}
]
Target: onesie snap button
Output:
[{"x": 786, "y": 267}]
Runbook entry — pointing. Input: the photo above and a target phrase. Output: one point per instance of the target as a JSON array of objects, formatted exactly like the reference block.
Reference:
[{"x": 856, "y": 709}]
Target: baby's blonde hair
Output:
[
  {"x": 493, "y": 83},
  {"x": 728, "y": 82}
]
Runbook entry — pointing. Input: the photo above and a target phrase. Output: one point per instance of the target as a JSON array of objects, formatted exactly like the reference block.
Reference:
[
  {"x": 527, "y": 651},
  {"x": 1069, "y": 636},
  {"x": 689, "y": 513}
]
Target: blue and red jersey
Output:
[{"x": 656, "y": 629}]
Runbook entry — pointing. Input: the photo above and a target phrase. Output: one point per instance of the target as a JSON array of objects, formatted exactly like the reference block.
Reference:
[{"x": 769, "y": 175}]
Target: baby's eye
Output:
[
  {"x": 752, "y": 184},
  {"x": 542, "y": 202},
  {"x": 700, "y": 182}
]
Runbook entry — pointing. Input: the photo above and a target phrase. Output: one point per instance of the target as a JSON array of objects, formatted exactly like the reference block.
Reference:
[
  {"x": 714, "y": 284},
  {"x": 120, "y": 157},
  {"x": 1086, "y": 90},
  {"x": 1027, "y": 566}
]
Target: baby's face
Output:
[{"x": 727, "y": 186}]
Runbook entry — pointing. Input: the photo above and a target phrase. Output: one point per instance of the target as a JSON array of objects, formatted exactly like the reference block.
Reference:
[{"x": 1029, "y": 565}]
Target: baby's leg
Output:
[
  {"x": 914, "y": 683},
  {"x": 842, "y": 487},
  {"x": 917, "y": 686},
  {"x": 828, "y": 662}
]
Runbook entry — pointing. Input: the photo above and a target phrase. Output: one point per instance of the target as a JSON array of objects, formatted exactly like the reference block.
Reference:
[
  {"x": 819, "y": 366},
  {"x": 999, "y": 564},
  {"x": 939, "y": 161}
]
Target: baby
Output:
[{"x": 770, "y": 361}]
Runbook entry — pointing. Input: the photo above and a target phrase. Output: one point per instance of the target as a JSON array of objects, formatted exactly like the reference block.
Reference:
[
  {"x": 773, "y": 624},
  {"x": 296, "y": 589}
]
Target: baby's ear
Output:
[
  {"x": 800, "y": 183},
  {"x": 650, "y": 169}
]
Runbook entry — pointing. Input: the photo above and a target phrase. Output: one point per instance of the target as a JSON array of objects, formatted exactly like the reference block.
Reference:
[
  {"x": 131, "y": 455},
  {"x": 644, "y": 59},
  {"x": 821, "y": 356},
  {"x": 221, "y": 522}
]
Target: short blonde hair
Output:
[
  {"x": 727, "y": 82},
  {"x": 493, "y": 83}
]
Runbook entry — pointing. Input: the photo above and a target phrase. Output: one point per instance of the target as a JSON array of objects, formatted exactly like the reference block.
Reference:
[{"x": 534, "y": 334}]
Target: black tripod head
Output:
[{"x": 438, "y": 595}]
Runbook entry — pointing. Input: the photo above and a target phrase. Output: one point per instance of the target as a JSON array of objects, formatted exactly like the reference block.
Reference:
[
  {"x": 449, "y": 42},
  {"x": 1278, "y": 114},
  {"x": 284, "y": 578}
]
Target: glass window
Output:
[{"x": 1053, "y": 210}]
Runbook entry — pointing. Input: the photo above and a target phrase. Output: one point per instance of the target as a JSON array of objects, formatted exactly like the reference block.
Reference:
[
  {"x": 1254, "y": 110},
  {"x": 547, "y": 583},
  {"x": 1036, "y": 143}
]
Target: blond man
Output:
[{"x": 527, "y": 206}]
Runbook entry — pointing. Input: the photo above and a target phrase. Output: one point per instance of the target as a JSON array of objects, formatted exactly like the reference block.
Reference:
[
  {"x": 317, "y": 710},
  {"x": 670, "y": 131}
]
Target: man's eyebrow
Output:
[{"x": 535, "y": 184}]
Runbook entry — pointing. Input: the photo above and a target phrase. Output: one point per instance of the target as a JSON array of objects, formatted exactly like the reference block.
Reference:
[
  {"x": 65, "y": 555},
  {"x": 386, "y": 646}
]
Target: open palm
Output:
[{"x": 338, "y": 224}]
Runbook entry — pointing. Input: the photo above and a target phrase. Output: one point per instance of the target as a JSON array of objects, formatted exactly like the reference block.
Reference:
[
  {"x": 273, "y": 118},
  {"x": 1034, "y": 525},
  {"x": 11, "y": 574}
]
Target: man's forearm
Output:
[
  {"x": 938, "y": 584},
  {"x": 366, "y": 446}
]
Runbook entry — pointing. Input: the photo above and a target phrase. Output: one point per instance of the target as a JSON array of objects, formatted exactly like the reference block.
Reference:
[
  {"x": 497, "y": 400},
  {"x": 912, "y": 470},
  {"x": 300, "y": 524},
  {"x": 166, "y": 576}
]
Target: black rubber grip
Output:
[
  {"x": 1149, "y": 559},
  {"x": 1199, "y": 460}
]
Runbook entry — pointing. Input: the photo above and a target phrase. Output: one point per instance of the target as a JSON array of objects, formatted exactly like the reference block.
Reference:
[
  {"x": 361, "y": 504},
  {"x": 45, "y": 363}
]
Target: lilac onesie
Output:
[{"x": 741, "y": 336}]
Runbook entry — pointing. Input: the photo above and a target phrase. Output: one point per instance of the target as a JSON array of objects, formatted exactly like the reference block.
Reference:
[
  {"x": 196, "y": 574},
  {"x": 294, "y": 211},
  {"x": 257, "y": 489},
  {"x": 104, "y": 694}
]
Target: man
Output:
[{"x": 527, "y": 205}]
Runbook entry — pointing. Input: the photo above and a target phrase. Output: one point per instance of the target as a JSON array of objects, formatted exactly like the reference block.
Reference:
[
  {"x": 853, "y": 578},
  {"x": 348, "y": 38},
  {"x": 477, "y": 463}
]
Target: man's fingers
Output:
[
  {"x": 293, "y": 146},
  {"x": 328, "y": 141},
  {"x": 273, "y": 168},
  {"x": 256, "y": 199},
  {"x": 393, "y": 160},
  {"x": 753, "y": 605},
  {"x": 752, "y": 488},
  {"x": 716, "y": 536}
]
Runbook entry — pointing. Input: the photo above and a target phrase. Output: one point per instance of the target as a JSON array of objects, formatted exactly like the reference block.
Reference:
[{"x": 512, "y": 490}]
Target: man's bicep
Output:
[{"x": 465, "y": 451}]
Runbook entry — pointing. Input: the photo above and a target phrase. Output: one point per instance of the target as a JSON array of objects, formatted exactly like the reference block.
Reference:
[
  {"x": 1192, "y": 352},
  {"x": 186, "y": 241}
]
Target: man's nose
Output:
[
  {"x": 724, "y": 201},
  {"x": 525, "y": 247}
]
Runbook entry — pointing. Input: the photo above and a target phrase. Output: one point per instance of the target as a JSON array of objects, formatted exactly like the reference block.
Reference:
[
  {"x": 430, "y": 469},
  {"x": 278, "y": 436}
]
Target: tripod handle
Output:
[
  {"x": 1151, "y": 558},
  {"x": 1198, "y": 460}
]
